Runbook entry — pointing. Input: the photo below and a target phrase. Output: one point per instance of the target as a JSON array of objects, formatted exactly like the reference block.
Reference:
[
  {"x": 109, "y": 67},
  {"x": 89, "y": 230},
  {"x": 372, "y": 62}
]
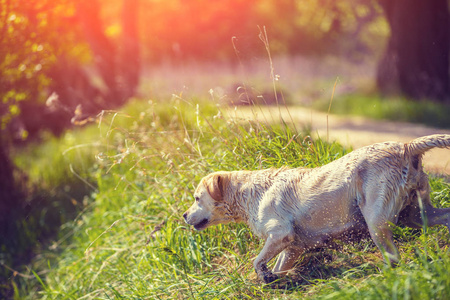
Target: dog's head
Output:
[{"x": 210, "y": 206}]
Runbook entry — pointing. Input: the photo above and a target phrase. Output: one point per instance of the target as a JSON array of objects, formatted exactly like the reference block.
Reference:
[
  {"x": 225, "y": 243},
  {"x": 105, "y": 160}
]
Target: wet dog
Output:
[{"x": 294, "y": 210}]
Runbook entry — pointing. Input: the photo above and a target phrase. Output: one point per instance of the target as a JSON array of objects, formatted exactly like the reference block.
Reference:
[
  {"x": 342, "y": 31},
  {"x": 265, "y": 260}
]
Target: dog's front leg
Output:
[
  {"x": 287, "y": 260},
  {"x": 275, "y": 243}
]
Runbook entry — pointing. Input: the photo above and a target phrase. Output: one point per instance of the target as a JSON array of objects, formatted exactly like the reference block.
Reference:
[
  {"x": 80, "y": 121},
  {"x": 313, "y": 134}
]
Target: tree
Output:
[
  {"x": 416, "y": 60},
  {"x": 26, "y": 54},
  {"x": 118, "y": 62},
  {"x": 115, "y": 60},
  {"x": 8, "y": 192},
  {"x": 43, "y": 48}
]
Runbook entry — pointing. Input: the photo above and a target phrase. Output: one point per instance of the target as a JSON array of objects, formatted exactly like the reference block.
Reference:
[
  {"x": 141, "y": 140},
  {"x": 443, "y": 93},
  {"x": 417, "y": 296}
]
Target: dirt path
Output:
[{"x": 354, "y": 131}]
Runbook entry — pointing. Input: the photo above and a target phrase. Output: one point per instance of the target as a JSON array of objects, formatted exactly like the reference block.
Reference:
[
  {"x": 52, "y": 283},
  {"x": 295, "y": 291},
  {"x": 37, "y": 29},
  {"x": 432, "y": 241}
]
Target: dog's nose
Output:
[{"x": 185, "y": 216}]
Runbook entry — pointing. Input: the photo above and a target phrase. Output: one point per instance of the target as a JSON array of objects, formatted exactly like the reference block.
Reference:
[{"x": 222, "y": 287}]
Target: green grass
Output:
[
  {"x": 130, "y": 242},
  {"x": 390, "y": 108},
  {"x": 54, "y": 178}
]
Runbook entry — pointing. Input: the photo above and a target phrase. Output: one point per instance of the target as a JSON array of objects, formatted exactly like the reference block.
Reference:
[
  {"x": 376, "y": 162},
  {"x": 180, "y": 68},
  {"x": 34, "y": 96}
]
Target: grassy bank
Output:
[
  {"x": 130, "y": 241},
  {"x": 52, "y": 179},
  {"x": 389, "y": 108}
]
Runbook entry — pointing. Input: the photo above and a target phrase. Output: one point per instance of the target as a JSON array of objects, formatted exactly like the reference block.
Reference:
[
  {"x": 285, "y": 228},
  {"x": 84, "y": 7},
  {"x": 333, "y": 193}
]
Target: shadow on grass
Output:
[
  {"x": 33, "y": 223},
  {"x": 331, "y": 262}
]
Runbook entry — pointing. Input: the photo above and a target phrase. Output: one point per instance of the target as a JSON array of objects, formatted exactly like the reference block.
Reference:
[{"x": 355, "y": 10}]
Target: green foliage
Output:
[
  {"x": 33, "y": 36},
  {"x": 392, "y": 108},
  {"x": 130, "y": 241},
  {"x": 294, "y": 27}
]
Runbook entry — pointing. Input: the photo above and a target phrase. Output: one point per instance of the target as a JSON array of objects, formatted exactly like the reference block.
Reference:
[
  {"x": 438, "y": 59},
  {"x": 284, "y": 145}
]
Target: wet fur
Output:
[{"x": 298, "y": 209}]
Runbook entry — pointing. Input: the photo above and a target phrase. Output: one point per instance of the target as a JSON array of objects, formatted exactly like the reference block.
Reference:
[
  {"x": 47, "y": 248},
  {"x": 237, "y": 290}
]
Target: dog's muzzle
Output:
[{"x": 201, "y": 224}]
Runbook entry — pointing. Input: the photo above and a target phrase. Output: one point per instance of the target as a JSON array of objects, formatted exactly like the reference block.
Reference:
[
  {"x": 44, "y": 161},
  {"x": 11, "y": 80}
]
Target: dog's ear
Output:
[{"x": 216, "y": 185}]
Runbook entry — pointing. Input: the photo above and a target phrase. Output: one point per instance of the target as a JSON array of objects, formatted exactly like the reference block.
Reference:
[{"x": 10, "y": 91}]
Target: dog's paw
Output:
[
  {"x": 269, "y": 277},
  {"x": 265, "y": 274}
]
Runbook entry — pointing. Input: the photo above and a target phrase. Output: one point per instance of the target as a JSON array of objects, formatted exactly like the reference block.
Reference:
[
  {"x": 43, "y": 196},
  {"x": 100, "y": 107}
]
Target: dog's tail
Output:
[
  {"x": 425, "y": 143},
  {"x": 419, "y": 146}
]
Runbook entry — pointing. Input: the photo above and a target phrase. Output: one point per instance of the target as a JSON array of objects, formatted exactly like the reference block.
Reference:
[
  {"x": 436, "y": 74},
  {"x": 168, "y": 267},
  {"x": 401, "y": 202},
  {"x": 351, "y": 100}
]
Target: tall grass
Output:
[{"x": 130, "y": 240}]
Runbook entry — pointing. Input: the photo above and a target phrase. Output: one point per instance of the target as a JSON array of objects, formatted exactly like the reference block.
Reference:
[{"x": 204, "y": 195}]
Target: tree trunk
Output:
[
  {"x": 119, "y": 66},
  {"x": 8, "y": 192},
  {"x": 103, "y": 50},
  {"x": 416, "y": 62},
  {"x": 129, "y": 60}
]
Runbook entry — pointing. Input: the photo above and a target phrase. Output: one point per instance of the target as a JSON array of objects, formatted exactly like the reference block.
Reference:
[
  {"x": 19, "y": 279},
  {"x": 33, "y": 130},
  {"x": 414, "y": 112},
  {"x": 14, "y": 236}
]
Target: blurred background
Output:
[
  {"x": 64, "y": 61},
  {"x": 94, "y": 55}
]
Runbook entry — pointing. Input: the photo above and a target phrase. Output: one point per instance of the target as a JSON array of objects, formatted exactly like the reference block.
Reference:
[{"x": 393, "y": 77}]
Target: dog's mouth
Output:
[{"x": 201, "y": 225}]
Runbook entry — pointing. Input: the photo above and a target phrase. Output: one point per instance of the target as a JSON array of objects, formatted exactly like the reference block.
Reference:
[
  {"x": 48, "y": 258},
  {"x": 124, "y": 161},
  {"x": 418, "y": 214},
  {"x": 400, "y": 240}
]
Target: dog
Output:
[{"x": 293, "y": 210}]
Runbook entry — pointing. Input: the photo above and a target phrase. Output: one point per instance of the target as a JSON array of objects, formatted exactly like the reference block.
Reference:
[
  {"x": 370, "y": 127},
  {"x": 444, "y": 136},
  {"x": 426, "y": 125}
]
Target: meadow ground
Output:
[
  {"x": 129, "y": 240},
  {"x": 120, "y": 186}
]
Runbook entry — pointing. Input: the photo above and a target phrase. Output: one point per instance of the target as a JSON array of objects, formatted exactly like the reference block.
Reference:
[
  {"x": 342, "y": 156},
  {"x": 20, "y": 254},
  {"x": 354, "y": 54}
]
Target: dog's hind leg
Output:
[
  {"x": 382, "y": 236},
  {"x": 287, "y": 260},
  {"x": 412, "y": 215},
  {"x": 275, "y": 243},
  {"x": 438, "y": 216},
  {"x": 379, "y": 223}
]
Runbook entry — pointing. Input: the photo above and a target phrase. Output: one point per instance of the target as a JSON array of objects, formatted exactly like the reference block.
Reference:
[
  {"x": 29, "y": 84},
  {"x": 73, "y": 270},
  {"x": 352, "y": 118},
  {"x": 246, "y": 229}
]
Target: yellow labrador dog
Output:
[{"x": 298, "y": 209}]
